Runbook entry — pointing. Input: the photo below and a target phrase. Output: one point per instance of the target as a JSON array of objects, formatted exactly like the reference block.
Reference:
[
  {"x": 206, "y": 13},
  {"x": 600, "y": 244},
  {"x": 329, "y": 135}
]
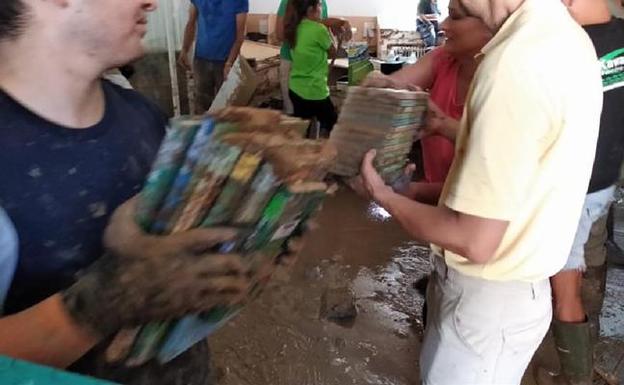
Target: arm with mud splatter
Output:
[{"x": 134, "y": 283}]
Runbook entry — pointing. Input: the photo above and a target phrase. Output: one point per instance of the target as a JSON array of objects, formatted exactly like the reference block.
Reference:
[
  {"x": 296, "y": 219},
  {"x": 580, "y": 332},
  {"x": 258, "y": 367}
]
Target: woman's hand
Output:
[{"x": 439, "y": 123}]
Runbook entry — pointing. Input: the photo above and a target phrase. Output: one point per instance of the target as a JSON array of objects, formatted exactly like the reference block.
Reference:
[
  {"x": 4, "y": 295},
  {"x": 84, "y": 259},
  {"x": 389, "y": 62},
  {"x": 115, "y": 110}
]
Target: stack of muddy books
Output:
[
  {"x": 384, "y": 119},
  {"x": 241, "y": 167}
]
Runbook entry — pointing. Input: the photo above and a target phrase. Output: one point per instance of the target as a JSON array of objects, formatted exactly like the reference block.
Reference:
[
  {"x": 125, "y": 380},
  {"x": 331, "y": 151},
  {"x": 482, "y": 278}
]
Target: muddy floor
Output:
[{"x": 282, "y": 339}]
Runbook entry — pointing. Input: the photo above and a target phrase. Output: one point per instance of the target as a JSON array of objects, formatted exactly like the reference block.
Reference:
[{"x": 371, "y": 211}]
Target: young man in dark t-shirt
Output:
[
  {"x": 577, "y": 304},
  {"x": 74, "y": 147}
]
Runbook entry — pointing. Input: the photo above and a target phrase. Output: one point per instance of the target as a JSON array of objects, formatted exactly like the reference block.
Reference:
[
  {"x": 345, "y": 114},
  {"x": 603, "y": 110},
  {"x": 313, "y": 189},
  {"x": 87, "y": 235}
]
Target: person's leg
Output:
[
  {"x": 572, "y": 329},
  {"x": 301, "y": 107},
  {"x": 326, "y": 114},
  {"x": 285, "y": 66},
  {"x": 203, "y": 85},
  {"x": 217, "y": 76},
  {"x": 209, "y": 77},
  {"x": 567, "y": 298}
]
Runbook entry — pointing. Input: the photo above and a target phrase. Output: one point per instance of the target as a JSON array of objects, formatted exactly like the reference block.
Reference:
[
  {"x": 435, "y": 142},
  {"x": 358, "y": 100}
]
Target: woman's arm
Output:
[
  {"x": 416, "y": 76},
  {"x": 439, "y": 123},
  {"x": 419, "y": 75}
]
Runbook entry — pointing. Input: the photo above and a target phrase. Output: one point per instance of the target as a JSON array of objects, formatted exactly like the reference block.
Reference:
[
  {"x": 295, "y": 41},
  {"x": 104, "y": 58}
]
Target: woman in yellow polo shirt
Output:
[{"x": 311, "y": 44}]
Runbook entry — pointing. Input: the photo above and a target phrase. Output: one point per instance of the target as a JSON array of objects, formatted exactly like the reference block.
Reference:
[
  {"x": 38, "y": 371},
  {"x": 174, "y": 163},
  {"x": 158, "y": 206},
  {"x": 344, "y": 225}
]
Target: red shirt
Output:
[{"x": 438, "y": 151}]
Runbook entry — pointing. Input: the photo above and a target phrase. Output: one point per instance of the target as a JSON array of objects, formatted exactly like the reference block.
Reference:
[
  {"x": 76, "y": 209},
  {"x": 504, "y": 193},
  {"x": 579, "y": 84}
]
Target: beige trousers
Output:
[{"x": 481, "y": 332}]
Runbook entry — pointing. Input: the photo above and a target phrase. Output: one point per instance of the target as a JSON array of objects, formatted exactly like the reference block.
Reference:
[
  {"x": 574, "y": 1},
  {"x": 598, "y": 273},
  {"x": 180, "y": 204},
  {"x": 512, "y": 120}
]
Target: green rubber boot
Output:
[{"x": 575, "y": 352}]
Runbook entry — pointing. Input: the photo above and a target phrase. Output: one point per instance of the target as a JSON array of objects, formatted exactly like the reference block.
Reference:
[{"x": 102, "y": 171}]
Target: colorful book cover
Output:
[
  {"x": 284, "y": 214},
  {"x": 147, "y": 344},
  {"x": 175, "y": 197},
  {"x": 151, "y": 335},
  {"x": 168, "y": 161},
  {"x": 211, "y": 177},
  {"x": 261, "y": 191},
  {"x": 191, "y": 330},
  {"x": 234, "y": 190},
  {"x": 121, "y": 346},
  {"x": 280, "y": 218}
]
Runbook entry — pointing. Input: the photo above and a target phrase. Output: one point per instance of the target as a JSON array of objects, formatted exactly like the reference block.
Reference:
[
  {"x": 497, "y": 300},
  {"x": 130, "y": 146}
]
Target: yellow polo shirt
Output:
[{"x": 526, "y": 145}]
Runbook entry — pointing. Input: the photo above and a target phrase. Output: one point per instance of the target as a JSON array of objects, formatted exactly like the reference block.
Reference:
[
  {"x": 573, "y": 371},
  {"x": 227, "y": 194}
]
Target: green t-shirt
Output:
[
  {"x": 309, "y": 71},
  {"x": 285, "y": 52}
]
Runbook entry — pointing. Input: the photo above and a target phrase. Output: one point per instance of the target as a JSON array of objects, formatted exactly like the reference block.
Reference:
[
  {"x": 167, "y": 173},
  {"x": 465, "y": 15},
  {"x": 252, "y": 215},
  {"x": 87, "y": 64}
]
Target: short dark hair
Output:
[{"x": 12, "y": 18}]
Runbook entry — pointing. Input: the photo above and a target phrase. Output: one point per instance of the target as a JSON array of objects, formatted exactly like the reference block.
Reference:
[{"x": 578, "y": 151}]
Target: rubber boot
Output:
[{"x": 575, "y": 355}]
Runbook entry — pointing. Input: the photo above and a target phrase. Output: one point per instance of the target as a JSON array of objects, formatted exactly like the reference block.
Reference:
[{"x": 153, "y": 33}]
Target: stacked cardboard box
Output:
[
  {"x": 242, "y": 167},
  {"x": 383, "y": 119},
  {"x": 238, "y": 88}
]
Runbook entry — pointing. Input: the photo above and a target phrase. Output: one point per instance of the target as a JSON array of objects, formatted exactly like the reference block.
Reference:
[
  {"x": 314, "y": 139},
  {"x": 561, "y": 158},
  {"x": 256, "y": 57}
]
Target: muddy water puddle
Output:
[{"x": 281, "y": 339}]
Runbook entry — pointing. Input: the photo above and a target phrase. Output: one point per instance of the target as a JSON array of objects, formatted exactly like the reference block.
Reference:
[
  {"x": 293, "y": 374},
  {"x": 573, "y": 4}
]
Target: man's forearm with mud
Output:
[{"x": 45, "y": 334}]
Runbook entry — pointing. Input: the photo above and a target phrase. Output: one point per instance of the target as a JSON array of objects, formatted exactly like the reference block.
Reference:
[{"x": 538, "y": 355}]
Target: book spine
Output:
[
  {"x": 232, "y": 193},
  {"x": 121, "y": 346},
  {"x": 147, "y": 344},
  {"x": 193, "y": 329},
  {"x": 212, "y": 176},
  {"x": 175, "y": 197},
  {"x": 151, "y": 335},
  {"x": 267, "y": 222},
  {"x": 168, "y": 162},
  {"x": 261, "y": 191}
]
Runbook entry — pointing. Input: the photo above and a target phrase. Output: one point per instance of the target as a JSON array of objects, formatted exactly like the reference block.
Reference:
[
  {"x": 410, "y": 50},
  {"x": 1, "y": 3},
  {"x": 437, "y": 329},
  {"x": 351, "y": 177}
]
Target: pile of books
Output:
[
  {"x": 242, "y": 167},
  {"x": 383, "y": 119},
  {"x": 359, "y": 62}
]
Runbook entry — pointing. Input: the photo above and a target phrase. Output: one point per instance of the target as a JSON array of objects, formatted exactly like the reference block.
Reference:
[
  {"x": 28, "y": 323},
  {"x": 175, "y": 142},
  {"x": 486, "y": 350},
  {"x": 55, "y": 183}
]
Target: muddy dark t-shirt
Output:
[
  {"x": 60, "y": 186},
  {"x": 609, "y": 42}
]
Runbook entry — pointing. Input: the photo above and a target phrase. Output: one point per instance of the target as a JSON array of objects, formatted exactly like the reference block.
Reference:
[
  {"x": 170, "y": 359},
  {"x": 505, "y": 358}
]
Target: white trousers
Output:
[
  {"x": 481, "y": 332},
  {"x": 285, "y": 66}
]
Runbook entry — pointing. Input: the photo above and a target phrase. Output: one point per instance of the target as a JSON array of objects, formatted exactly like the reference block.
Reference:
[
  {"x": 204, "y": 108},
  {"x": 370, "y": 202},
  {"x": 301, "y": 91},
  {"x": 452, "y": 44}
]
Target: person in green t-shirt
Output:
[
  {"x": 338, "y": 26},
  {"x": 310, "y": 45}
]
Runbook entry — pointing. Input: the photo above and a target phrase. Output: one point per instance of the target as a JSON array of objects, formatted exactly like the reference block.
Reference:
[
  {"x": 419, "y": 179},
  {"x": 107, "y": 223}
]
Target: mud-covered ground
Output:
[{"x": 282, "y": 339}]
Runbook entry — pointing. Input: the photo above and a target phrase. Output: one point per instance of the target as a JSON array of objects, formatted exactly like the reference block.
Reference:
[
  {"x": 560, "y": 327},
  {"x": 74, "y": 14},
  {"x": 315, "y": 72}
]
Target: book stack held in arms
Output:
[
  {"x": 241, "y": 167},
  {"x": 383, "y": 119}
]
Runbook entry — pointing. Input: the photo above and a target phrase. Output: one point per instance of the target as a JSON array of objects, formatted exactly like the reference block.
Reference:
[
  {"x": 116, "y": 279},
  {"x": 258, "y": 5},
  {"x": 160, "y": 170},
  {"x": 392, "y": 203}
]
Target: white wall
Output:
[
  {"x": 395, "y": 14},
  {"x": 398, "y": 14},
  {"x": 616, "y": 8}
]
